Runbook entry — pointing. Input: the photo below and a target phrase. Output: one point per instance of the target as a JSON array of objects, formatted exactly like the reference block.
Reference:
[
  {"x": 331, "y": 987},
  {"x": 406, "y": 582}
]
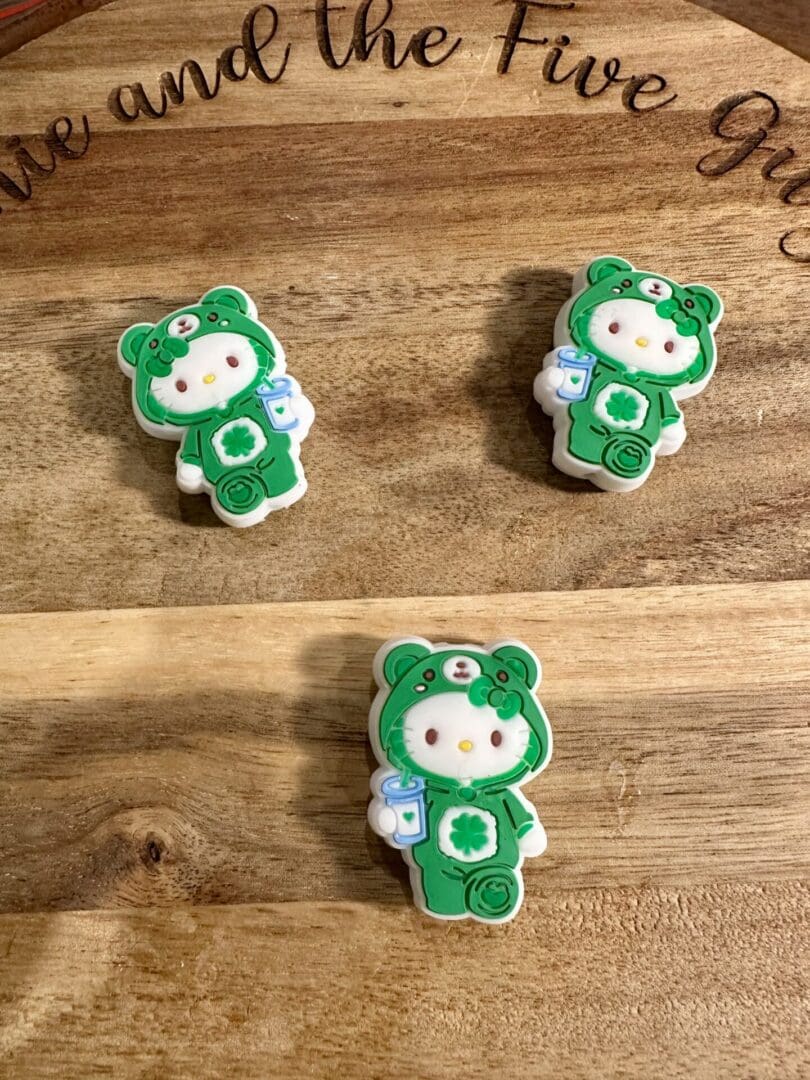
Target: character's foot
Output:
[
  {"x": 628, "y": 458},
  {"x": 493, "y": 893}
]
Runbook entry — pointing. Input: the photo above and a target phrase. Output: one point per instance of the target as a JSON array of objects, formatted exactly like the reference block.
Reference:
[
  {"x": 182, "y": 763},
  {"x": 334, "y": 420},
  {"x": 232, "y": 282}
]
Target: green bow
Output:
[
  {"x": 167, "y": 350},
  {"x": 685, "y": 325},
  {"x": 484, "y": 691}
]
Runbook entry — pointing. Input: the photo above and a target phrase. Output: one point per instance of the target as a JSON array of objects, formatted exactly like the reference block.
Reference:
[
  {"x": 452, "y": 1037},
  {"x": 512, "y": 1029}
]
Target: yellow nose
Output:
[
  {"x": 465, "y": 745},
  {"x": 208, "y": 379},
  {"x": 642, "y": 342}
]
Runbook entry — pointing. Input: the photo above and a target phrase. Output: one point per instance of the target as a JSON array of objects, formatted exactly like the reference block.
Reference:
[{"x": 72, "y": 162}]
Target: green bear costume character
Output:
[
  {"x": 629, "y": 345},
  {"x": 213, "y": 377},
  {"x": 457, "y": 730}
]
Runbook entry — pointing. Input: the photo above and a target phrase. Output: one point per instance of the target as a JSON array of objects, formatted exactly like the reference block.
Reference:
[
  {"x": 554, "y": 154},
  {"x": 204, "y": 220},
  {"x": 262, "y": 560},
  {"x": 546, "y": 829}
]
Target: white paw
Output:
[
  {"x": 546, "y": 385},
  {"x": 533, "y": 842},
  {"x": 382, "y": 818},
  {"x": 190, "y": 478},
  {"x": 302, "y": 409},
  {"x": 672, "y": 438}
]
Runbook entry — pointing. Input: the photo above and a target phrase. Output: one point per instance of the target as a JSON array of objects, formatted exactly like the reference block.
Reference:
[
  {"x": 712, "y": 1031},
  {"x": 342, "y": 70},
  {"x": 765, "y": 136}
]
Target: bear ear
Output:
[
  {"x": 131, "y": 343},
  {"x": 519, "y": 660},
  {"x": 708, "y": 300},
  {"x": 396, "y": 658},
  {"x": 606, "y": 266},
  {"x": 230, "y": 296}
]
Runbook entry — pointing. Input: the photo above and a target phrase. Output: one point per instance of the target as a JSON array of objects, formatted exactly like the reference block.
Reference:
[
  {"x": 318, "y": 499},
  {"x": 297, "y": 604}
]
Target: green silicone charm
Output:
[
  {"x": 213, "y": 377},
  {"x": 457, "y": 730},
  {"x": 628, "y": 346}
]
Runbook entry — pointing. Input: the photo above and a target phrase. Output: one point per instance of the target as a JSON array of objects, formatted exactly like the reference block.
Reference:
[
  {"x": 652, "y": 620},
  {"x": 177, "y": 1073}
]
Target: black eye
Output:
[
  {"x": 430, "y": 675},
  {"x": 670, "y": 346},
  {"x": 502, "y": 676},
  {"x": 626, "y": 283},
  {"x": 213, "y": 317},
  {"x": 153, "y": 344},
  {"x": 431, "y": 736},
  {"x": 689, "y": 303},
  {"x": 496, "y": 738},
  {"x": 614, "y": 328}
]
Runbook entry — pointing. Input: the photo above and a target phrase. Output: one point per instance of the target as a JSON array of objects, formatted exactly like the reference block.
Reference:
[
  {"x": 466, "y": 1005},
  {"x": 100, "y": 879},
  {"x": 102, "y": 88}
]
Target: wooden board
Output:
[
  {"x": 187, "y": 884},
  {"x": 696, "y": 982},
  {"x": 220, "y": 755},
  {"x": 410, "y": 236},
  {"x": 171, "y": 758}
]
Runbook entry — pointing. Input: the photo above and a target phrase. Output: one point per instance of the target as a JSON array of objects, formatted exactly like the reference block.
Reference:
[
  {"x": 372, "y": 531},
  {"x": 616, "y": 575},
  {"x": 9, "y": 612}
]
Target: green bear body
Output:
[
  {"x": 629, "y": 346},
  {"x": 443, "y": 712},
  {"x": 212, "y": 376}
]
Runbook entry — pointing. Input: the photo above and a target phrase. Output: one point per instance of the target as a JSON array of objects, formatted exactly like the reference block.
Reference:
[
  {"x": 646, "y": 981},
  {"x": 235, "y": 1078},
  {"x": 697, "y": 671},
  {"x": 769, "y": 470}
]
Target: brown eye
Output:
[
  {"x": 233, "y": 361},
  {"x": 670, "y": 346},
  {"x": 614, "y": 328},
  {"x": 181, "y": 385},
  {"x": 213, "y": 317},
  {"x": 496, "y": 738},
  {"x": 430, "y": 675},
  {"x": 431, "y": 735}
]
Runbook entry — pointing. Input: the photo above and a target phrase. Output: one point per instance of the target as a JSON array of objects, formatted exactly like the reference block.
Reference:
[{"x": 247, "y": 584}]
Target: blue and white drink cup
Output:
[
  {"x": 277, "y": 397},
  {"x": 408, "y": 803},
  {"x": 577, "y": 367}
]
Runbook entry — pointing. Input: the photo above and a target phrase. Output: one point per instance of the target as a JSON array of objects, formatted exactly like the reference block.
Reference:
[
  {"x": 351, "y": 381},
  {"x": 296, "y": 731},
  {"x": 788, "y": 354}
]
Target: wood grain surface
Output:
[
  {"x": 627, "y": 983},
  {"x": 188, "y": 887},
  {"x": 188, "y": 758},
  {"x": 220, "y": 755},
  {"x": 410, "y": 236},
  {"x": 787, "y": 22}
]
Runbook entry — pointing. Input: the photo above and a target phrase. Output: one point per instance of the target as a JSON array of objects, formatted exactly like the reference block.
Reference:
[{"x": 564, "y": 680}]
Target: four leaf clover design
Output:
[
  {"x": 622, "y": 406},
  {"x": 469, "y": 833},
  {"x": 238, "y": 441}
]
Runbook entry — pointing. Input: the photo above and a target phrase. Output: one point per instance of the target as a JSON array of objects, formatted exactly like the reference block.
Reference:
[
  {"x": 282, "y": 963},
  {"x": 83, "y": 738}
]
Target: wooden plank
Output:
[
  {"x": 203, "y": 756},
  {"x": 698, "y": 982},
  {"x": 410, "y": 236}
]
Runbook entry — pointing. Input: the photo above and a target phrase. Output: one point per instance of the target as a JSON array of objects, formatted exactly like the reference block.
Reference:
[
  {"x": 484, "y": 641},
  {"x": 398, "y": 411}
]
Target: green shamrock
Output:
[
  {"x": 484, "y": 691},
  {"x": 469, "y": 833},
  {"x": 238, "y": 441},
  {"x": 622, "y": 406}
]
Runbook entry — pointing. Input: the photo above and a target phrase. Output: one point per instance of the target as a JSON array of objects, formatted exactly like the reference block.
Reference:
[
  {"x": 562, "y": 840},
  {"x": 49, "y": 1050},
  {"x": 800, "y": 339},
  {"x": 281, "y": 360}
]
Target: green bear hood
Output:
[
  {"x": 694, "y": 309},
  {"x": 509, "y": 675},
  {"x": 151, "y": 351}
]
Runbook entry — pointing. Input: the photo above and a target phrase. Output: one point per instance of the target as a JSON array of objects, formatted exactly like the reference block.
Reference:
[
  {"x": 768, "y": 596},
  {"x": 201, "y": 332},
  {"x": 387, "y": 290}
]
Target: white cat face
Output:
[
  {"x": 630, "y": 331},
  {"x": 216, "y": 369},
  {"x": 449, "y": 736}
]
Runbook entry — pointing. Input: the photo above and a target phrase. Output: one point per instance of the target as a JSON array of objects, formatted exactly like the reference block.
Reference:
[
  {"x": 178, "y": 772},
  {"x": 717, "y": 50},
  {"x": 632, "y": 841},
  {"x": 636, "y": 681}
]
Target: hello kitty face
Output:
[
  {"x": 464, "y": 715},
  {"x": 648, "y": 323},
  {"x": 215, "y": 369},
  {"x": 195, "y": 362},
  {"x": 446, "y": 735},
  {"x": 633, "y": 332}
]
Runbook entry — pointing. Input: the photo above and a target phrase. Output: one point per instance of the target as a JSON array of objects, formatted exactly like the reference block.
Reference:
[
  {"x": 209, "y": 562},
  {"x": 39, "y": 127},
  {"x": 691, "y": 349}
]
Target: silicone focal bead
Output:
[
  {"x": 457, "y": 731},
  {"x": 629, "y": 345},
  {"x": 212, "y": 377}
]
